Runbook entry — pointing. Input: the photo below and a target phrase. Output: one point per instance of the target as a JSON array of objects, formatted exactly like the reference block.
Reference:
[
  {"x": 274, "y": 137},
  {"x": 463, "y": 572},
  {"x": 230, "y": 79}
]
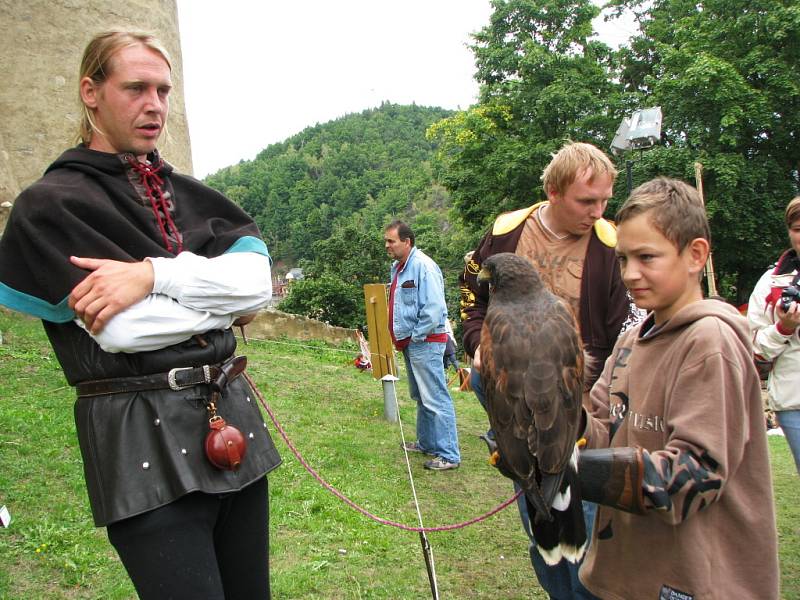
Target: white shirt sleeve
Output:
[
  {"x": 191, "y": 294},
  {"x": 238, "y": 283},
  {"x": 153, "y": 323}
]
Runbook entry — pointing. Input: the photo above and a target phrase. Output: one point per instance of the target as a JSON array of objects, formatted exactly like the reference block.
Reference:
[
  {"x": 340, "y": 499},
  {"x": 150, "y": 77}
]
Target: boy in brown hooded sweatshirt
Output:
[{"x": 683, "y": 476}]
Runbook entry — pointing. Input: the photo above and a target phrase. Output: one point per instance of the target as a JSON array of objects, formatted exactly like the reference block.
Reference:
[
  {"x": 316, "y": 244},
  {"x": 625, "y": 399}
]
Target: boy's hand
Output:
[
  {"x": 788, "y": 321},
  {"x": 112, "y": 287}
]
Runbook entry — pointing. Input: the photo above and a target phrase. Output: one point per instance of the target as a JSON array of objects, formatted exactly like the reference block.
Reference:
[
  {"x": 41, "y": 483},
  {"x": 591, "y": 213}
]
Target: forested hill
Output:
[
  {"x": 299, "y": 191},
  {"x": 322, "y": 197}
]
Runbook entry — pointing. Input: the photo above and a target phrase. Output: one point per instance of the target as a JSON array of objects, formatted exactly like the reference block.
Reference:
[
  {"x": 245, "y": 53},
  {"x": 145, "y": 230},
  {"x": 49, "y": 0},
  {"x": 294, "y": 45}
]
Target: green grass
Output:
[{"x": 319, "y": 547}]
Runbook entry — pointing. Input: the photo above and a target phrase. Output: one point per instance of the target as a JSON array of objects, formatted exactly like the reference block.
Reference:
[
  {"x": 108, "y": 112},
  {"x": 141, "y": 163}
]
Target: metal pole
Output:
[
  {"x": 629, "y": 175},
  {"x": 389, "y": 393},
  {"x": 426, "y": 551}
]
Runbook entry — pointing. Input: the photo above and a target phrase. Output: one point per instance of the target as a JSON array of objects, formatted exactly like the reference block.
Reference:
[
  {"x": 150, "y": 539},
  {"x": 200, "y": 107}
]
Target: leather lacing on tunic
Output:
[{"x": 152, "y": 185}]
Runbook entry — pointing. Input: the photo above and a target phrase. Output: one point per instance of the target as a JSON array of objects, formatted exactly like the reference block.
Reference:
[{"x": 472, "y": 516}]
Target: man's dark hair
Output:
[{"x": 403, "y": 230}]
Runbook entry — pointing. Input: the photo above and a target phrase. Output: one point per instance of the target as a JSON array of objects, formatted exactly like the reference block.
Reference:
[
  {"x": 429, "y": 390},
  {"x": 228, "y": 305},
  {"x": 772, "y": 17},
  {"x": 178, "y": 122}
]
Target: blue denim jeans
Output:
[
  {"x": 559, "y": 581},
  {"x": 477, "y": 387},
  {"x": 789, "y": 420},
  {"x": 436, "y": 417}
]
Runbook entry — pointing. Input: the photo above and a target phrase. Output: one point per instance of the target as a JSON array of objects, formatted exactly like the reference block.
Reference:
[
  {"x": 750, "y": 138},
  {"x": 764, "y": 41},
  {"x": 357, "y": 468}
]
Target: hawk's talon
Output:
[{"x": 490, "y": 443}]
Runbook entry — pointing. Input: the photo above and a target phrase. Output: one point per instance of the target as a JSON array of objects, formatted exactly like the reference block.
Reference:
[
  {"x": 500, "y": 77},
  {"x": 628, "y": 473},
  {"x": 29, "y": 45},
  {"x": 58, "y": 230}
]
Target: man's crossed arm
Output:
[{"x": 147, "y": 305}]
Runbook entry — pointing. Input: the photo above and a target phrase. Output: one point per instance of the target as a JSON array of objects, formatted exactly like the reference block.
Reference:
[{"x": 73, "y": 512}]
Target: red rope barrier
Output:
[{"x": 352, "y": 504}]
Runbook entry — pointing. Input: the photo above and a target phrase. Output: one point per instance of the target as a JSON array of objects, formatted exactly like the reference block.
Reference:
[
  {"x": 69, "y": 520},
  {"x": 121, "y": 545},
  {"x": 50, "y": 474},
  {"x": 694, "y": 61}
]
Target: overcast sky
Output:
[{"x": 258, "y": 71}]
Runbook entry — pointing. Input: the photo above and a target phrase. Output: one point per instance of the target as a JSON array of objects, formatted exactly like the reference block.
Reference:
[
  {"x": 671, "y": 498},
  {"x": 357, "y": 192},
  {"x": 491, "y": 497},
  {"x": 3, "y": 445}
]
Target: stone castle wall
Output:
[
  {"x": 274, "y": 324},
  {"x": 41, "y": 44}
]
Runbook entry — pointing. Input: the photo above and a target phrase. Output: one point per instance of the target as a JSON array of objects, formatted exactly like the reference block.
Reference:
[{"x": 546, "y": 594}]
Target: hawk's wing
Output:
[
  {"x": 531, "y": 369},
  {"x": 554, "y": 387}
]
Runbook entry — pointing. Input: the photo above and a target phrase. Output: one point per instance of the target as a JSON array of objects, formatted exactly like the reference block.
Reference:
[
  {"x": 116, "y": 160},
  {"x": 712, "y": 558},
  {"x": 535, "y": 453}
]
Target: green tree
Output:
[
  {"x": 332, "y": 290},
  {"x": 542, "y": 80},
  {"x": 354, "y": 252},
  {"x": 727, "y": 76},
  {"x": 325, "y": 298},
  {"x": 725, "y": 72},
  {"x": 322, "y": 198}
]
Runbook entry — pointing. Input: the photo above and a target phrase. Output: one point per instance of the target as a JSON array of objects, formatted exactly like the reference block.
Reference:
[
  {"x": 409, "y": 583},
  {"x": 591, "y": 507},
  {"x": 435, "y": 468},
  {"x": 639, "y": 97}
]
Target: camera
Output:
[{"x": 790, "y": 294}]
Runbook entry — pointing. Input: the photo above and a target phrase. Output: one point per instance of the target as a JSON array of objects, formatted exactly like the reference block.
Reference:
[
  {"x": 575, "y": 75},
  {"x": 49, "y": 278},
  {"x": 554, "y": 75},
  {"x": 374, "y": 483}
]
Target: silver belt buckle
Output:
[{"x": 174, "y": 385}]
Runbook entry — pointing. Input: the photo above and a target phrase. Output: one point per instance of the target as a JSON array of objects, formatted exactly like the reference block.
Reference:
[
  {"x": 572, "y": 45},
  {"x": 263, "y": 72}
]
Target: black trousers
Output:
[{"x": 200, "y": 547}]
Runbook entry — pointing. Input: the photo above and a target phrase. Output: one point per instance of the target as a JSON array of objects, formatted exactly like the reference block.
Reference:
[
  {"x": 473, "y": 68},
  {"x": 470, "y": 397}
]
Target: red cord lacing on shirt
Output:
[{"x": 153, "y": 185}]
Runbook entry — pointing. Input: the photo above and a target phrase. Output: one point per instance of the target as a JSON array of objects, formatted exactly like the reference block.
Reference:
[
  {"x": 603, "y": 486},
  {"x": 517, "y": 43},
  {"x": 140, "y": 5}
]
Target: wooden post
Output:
[
  {"x": 380, "y": 342},
  {"x": 710, "y": 277},
  {"x": 381, "y": 348}
]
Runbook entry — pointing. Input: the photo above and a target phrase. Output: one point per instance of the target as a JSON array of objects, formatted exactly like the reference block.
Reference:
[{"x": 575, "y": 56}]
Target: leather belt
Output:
[{"x": 175, "y": 379}]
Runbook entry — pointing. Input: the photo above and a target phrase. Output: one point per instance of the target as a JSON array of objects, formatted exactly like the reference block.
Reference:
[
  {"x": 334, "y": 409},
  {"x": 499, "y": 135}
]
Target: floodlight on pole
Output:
[{"x": 640, "y": 131}]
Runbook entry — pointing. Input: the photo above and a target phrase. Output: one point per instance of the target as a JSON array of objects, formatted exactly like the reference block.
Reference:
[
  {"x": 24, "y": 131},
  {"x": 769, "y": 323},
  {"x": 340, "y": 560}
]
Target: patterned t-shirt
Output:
[{"x": 559, "y": 260}]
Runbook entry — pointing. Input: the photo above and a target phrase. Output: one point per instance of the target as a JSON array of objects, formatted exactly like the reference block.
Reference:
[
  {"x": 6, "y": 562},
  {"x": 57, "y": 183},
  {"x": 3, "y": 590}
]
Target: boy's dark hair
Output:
[
  {"x": 403, "y": 230},
  {"x": 673, "y": 207}
]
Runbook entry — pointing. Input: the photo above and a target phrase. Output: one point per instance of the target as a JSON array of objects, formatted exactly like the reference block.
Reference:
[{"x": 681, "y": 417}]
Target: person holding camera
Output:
[{"x": 774, "y": 316}]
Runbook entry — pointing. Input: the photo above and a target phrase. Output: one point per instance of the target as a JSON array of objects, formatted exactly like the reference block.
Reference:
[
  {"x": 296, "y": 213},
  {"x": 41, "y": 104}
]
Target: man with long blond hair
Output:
[{"x": 138, "y": 274}]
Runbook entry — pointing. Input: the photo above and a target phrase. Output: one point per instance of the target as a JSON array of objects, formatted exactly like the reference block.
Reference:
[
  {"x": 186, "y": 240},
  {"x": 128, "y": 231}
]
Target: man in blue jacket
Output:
[{"x": 417, "y": 317}]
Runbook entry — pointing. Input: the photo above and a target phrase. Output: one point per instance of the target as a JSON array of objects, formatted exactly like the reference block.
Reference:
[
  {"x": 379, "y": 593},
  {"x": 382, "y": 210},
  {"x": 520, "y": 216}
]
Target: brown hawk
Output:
[{"x": 532, "y": 374}]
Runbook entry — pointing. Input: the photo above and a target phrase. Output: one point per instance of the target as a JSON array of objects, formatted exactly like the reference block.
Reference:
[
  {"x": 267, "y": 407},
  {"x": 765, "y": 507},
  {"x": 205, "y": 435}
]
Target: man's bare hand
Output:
[
  {"x": 112, "y": 287},
  {"x": 476, "y": 359}
]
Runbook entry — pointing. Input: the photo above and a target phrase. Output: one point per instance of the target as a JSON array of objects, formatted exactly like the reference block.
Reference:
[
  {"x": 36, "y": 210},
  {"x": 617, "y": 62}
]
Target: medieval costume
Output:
[{"x": 143, "y": 382}]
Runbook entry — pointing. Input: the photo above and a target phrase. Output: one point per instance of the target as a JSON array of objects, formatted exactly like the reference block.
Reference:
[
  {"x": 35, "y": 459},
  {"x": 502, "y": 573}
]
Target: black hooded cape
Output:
[{"x": 140, "y": 450}]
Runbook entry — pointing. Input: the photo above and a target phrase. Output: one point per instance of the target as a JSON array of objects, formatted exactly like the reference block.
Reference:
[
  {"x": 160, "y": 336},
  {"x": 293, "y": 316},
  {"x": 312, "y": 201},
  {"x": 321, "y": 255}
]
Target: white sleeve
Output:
[
  {"x": 232, "y": 284},
  {"x": 154, "y": 323},
  {"x": 767, "y": 340}
]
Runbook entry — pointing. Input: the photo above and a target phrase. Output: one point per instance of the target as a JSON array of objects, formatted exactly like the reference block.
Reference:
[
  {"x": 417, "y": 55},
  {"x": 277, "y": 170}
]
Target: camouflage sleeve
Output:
[
  {"x": 636, "y": 481},
  {"x": 680, "y": 483},
  {"x": 474, "y": 298}
]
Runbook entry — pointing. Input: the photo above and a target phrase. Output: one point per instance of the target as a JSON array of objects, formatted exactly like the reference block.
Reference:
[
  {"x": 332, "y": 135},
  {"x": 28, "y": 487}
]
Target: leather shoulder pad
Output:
[
  {"x": 606, "y": 231},
  {"x": 511, "y": 220}
]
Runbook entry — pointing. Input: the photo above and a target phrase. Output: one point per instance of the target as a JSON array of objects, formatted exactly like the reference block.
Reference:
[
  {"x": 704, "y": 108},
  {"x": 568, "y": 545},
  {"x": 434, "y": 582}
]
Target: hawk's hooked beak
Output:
[{"x": 485, "y": 276}]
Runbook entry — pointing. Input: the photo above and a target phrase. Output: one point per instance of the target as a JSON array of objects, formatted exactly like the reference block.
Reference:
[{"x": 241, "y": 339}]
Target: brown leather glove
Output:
[{"x": 613, "y": 477}]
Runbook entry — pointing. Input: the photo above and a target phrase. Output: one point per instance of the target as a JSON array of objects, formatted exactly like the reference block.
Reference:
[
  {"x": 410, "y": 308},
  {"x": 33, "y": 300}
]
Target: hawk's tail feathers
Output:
[
  {"x": 545, "y": 532},
  {"x": 564, "y": 536}
]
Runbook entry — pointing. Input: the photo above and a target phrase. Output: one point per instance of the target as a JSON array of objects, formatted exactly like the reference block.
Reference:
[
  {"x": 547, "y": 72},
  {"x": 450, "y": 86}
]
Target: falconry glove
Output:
[{"x": 613, "y": 477}]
